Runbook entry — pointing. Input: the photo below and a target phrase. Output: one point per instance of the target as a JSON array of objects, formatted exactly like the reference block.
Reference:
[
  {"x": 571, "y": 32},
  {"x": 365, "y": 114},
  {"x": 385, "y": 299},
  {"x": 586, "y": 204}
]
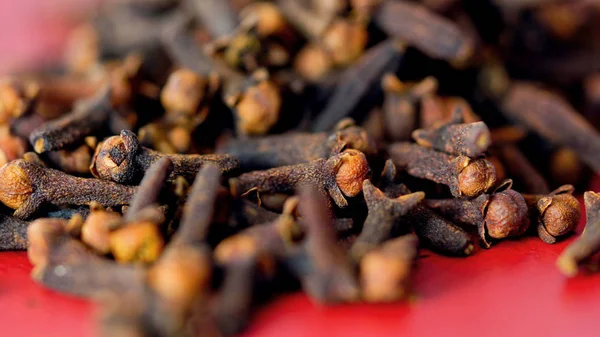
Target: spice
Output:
[
  {"x": 499, "y": 215},
  {"x": 586, "y": 245},
  {"x": 463, "y": 175},
  {"x": 544, "y": 112},
  {"x": 296, "y": 148},
  {"x": 556, "y": 213},
  {"x": 385, "y": 272},
  {"x": 329, "y": 277},
  {"x": 87, "y": 117},
  {"x": 340, "y": 176},
  {"x": 433, "y": 230},
  {"x": 357, "y": 81},
  {"x": 399, "y": 105},
  {"x": 384, "y": 214},
  {"x": 432, "y": 34},
  {"x": 123, "y": 160},
  {"x": 457, "y": 138},
  {"x": 27, "y": 186}
]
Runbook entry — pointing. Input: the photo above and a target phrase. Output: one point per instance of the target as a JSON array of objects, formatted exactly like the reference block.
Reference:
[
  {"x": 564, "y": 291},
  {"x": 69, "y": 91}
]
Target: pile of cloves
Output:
[{"x": 190, "y": 159}]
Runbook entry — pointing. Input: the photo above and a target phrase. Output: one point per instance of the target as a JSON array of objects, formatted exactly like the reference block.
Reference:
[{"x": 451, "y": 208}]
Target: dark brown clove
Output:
[
  {"x": 384, "y": 214},
  {"x": 556, "y": 213},
  {"x": 385, "y": 272},
  {"x": 431, "y": 33},
  {"x": 138, "y": 237},
  {"x": 232, "y": 307},
  {"x": 340, "y": 176},
  {"x": 356, "y": 81},
  {"x": 13, "y": 233},
  {"x": 499, "y": 215},
  {"x": 88, "y": 117},
  {"x": 76, "y": 161},
  {"x": 588, "y": 243},
  {"x": 464, "y": 176},
  {"x": 437, "y": 232},
  {"x": 456, "y": 138},
  {"x": 264, "y": 241},
  {"x": 296, "y": 148},
  {"x": 399, "y": 105},
  {"x": 65, "y": 264},
  {"x": 122, "y": 159},
  {"x": 330, "y": 278},
  {"x": 544, "y": 112},
  {"x": 26, "y": 186}
]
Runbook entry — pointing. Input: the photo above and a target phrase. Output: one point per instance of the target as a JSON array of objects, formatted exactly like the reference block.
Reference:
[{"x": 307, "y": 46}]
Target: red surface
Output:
[{"x": 512, "y": 289}]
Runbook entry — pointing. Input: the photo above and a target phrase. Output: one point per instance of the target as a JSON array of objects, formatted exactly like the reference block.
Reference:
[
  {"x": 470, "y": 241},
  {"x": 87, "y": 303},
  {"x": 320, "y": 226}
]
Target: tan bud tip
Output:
[
  {"x": 477, "y": 177},
  {"x": 351, "y": 173},
  {"x": 15, "y": 184},
  {"x": 39, "y": 145}
]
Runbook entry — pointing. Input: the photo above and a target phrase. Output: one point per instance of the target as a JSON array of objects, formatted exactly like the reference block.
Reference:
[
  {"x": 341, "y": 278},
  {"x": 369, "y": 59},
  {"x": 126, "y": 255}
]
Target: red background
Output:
[{"x": 512, "y": 289}]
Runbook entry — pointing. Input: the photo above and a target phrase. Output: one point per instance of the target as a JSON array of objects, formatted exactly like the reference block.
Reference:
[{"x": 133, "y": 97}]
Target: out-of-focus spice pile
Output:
[{"x": 191, "y": 159}]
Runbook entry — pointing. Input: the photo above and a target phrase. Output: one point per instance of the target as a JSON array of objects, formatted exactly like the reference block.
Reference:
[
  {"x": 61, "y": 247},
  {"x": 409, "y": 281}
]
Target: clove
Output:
[
  {"x": 26, "y": 186},
  {"x": 122, "y": 159},
  {"x": 556, "y": 213},
  {"x": 463, "y": 175},
  {"x": 340, "y": 176}
]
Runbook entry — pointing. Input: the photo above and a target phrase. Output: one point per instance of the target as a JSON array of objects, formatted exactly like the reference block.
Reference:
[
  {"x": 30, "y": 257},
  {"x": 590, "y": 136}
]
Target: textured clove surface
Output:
[{"x": 188, "y": 161}]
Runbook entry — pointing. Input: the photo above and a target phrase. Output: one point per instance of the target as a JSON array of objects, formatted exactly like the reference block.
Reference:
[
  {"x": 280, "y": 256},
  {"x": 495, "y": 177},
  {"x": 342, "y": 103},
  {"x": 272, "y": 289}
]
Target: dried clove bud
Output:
[
  {"x": 586, "y": 245},
  {"x": 455, "y": 137},
  {"x": 384, "y": 214},
  {"x": 544, "y": 112},
  {"x": 264, "y": 241},
  {"x": 385, "y": 272},
  {"x": 399, "y": 110},
  {"x": 339, "y": 176},
  {"x": 556, "y": 213},
  {"x": 26, "y": 186},
  {"x": 296, "y": 148},
  {"x": 356, "y": 82},
  {"x": 89, "y": 116},
  {"x": 232, "y": 307},
  {"x": 464, "y": 176},
  {"x": 432, "y": 229},
  {"x": 65, "y": 264},
  {"x": 434, "y": 35},
  {"x": 183, "y": 92},
  {"x": 123, "y": 160},
  {"x": 499, "y": 215},
  {"x": 330, "y": 277}
]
